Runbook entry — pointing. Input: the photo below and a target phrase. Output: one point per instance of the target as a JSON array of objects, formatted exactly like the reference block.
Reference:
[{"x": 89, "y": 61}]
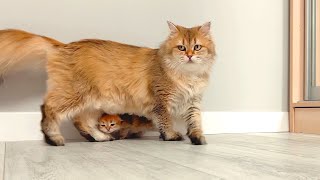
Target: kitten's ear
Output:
[
  {"x": 205, "y": 28},
  {"x": 126, "y": 117},
  {"x": 173, "y": 28}
]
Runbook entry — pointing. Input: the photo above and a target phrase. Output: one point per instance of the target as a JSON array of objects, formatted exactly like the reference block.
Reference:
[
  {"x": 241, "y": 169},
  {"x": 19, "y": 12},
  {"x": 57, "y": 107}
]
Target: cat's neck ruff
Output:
[{"x": 185, "y": 73}]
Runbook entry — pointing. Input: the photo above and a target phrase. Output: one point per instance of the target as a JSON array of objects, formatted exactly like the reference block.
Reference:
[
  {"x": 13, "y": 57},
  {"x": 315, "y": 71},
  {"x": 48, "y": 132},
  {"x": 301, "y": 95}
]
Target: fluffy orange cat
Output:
[
  {"x": 132, "y": 127},
  {"x": 89, "y": 77}
]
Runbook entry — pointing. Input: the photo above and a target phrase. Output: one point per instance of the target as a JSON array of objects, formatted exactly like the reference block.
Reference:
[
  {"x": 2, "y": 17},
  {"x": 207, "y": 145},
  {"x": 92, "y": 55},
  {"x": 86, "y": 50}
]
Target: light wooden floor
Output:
[{"x": 227, "y": 156}]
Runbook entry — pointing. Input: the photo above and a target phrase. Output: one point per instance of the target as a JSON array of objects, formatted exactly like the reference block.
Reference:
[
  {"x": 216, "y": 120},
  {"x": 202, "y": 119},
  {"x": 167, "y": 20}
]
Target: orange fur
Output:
[
  {"x": 89, "y": 77},
  {"x": 135, "y": 128},
  {"x": 110, "y": 123}
]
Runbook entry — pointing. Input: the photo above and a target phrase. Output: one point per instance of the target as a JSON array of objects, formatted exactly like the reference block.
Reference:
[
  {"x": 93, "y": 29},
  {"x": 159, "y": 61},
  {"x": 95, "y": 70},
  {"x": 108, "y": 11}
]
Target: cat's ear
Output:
[
  {"x": 205, "y": 28},
  {"x": 173, "y": 28},
  {"x": 126, "y": 117}
]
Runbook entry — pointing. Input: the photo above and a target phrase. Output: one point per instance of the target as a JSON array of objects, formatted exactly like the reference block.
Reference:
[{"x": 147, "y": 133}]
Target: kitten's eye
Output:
[
  {"x": 181, "y": 48},
  {"x": 112, "y": 124},
  {"x": 103, "y": 125},
  {"x": 197, "y": 47}
]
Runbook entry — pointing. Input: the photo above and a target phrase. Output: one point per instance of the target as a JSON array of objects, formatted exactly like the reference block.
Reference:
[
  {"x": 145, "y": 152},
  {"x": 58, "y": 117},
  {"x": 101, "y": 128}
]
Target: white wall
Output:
[{"x": 251, "y": 71}]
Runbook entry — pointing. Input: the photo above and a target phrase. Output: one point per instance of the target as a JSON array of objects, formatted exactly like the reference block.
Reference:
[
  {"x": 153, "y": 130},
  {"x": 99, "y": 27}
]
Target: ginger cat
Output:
[
  {"x": 134, "y": 127},
  {"x": 89, "y": 77}
]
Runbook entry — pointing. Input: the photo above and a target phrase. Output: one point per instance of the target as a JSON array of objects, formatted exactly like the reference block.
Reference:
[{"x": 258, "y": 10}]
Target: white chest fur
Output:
[{"x": 187, "y": 91}]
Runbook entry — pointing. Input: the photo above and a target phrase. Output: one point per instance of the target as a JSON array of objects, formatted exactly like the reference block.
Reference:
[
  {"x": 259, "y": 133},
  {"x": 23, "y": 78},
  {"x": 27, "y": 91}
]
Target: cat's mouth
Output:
[{"x": 190, "y": 61}]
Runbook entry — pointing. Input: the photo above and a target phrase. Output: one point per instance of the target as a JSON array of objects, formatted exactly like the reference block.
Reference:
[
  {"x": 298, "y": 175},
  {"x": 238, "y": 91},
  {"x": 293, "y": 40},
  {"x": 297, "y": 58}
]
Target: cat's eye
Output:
[
  {"x": 181, "y": 48},
  {"x": 103, "y": 125},
  {"x": 197, "y": 47},
  {"x": 112, "y": 124}
]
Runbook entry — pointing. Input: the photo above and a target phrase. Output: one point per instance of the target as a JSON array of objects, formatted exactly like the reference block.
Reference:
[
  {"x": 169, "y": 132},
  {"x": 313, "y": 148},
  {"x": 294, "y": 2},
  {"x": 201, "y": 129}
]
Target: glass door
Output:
[{"x": 312, "y": 52}]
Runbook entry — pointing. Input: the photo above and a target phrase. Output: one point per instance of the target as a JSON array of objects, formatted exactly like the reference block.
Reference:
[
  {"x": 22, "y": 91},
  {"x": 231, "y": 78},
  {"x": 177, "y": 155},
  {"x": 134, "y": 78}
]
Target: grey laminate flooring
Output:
[{"x": 226, "y": 156}]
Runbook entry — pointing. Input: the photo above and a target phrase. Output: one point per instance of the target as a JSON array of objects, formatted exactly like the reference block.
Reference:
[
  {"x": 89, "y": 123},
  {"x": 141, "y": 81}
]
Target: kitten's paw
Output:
[
  {"x": 135, "y": 135},
  {"x": 100, "y": 137},
  {"x": 171, "y": 136},
  {"x": 55, "y": 140},
  {"x": 197, "y": 139}
]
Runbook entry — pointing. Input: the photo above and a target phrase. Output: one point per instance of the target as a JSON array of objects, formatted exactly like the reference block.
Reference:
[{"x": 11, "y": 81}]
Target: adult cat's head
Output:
[{"x": 189, "y": 50}]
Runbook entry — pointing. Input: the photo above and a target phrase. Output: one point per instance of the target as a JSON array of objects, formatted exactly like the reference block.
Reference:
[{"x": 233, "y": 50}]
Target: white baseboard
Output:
[
  {"x": 245, "y": 122},
  {"x": 20, "y": 126}
]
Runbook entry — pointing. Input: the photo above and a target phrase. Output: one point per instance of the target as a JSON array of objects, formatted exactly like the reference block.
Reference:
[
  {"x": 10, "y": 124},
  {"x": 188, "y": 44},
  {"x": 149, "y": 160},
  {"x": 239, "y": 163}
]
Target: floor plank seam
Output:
[
  {"x": 4, "y": 159},
  {"x": 264, "y": 149},
  {"x": 283, "y": 138},
  {"x": 135, "y": 150},
  {"x": 225, "y": 157}
]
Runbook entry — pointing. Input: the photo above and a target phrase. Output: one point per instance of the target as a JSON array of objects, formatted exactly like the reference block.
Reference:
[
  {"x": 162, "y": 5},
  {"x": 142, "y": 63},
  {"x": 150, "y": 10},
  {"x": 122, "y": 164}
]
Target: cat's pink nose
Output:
[{"x": 189, "y": 56}]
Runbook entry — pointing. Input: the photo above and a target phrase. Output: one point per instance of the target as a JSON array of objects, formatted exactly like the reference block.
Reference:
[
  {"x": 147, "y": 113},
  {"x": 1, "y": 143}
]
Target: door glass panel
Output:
[
  {"x": 312, "y": 68},
  {"x": 317, "y": 63}
]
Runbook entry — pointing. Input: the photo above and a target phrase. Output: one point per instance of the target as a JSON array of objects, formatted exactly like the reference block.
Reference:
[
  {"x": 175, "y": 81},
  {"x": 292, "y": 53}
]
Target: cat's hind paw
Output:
[
  {"x": 197, "y": 139},
  {"x": 171, "y": 136}
]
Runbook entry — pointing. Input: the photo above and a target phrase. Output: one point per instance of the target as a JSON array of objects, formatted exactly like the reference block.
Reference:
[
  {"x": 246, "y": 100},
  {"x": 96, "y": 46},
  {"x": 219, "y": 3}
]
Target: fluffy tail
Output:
[{"x": 22, "y": 50}]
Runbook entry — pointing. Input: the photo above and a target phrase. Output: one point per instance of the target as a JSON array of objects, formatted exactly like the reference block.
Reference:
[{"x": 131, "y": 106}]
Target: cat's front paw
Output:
[
  {"x": 100, "y": 137},
  {"x": 88, "y": 137},
  {"x": 171, "y": 136},
  {"x": 197, "y": 139}
]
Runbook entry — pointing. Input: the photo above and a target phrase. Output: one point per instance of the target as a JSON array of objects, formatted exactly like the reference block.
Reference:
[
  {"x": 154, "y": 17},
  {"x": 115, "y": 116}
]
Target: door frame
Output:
[{"x": 297, "y": 65}]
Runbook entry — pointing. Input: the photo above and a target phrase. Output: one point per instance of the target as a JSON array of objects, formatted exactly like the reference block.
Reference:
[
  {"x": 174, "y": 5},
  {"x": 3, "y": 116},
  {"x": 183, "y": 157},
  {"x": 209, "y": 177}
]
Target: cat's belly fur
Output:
[
  {"x": 120, "y": 105},
  {"x": 141, "y": 107},
  {"x": 141, "y": 102}
]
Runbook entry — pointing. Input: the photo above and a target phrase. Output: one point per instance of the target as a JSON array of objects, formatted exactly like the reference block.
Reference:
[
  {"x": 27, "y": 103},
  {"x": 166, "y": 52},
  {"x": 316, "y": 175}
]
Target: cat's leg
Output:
[
  {"x": 138, "y": 134},
  {"x": 124, "y": 133},
  {"x": 50, "y": 125},
  {"x": 87, "y": 124},
  {"x": 115, "y": 135},
  {"x": 192, "y": 117},
  {"x": 83, "y": 128},
  {"x": 162, "y": 117},
  {"x": 58, "y": 106}
]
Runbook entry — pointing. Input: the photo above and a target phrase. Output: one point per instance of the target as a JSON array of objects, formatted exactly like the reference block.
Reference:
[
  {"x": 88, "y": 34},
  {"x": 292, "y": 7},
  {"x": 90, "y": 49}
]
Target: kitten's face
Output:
[
  {"x": 189, "y": 49},
  {"x": 109, "y": 123}
]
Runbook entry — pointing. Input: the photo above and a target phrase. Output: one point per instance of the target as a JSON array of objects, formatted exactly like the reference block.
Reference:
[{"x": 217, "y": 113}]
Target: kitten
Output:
[
  {"x": 134, "y": 127},
  {"x": 89, "y": 77}
]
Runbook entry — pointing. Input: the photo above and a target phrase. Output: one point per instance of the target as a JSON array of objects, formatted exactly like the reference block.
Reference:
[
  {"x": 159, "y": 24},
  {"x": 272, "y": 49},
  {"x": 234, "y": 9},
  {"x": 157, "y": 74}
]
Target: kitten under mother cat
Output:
[{"x": 89, "y": 77}]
